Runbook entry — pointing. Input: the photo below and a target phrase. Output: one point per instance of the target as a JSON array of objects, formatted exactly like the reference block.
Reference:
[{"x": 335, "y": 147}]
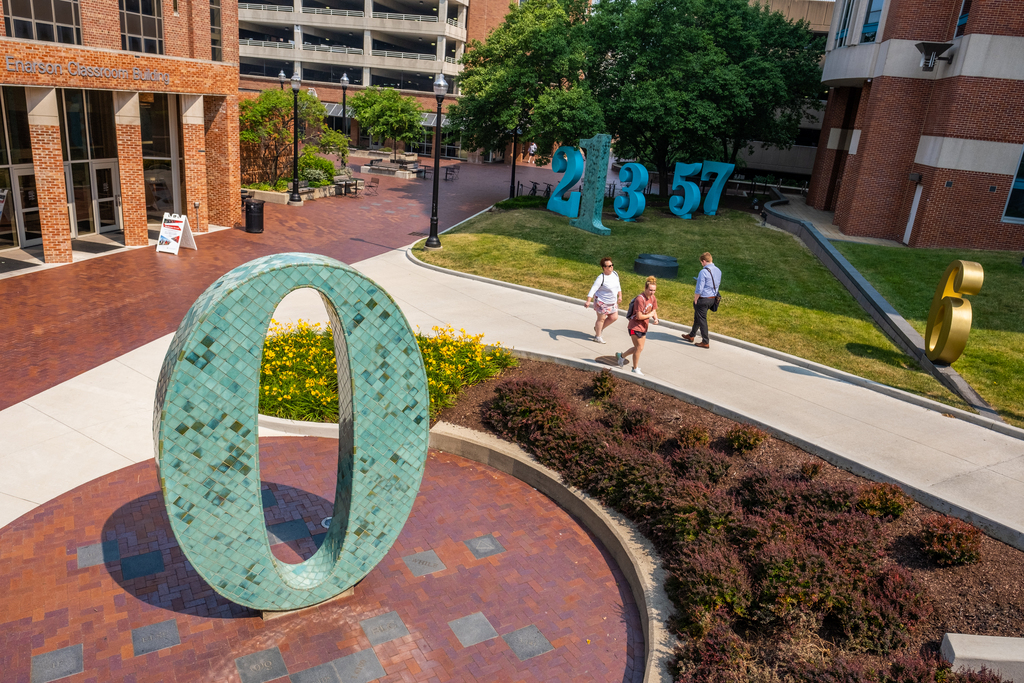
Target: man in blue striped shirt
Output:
[{"x": 708, "y": 282}]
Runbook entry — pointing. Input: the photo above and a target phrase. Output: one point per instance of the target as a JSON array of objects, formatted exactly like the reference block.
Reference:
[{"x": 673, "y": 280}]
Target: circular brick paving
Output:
[{"x": 95, "y": 575}]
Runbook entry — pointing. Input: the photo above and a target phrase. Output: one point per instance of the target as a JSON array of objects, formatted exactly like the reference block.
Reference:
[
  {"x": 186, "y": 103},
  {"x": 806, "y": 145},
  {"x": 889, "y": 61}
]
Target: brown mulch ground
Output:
[{"x": 986, "y": 598}]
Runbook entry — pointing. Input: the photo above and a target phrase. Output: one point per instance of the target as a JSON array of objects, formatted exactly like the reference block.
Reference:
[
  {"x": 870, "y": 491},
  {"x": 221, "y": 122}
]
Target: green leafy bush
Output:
[
  {"x": 693, "y": 436},
  {"x": 315, "y": 169},
  {"x": 884, "y": 500},
  {"x": 604, "y": 385},
  {"x": 950, "y": 542},
  {"x": 746, "y": 438}
]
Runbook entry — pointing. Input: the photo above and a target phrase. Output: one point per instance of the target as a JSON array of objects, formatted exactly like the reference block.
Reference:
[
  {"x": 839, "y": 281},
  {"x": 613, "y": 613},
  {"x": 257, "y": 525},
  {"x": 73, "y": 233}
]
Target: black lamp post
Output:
[
  {"x": 512, "y": 183},
  {"x": 344, "y": 106},
  {"x": 295, "y": 199},
  {"x": 282, "y": 78},
  {"x": 440, "y": 90}
]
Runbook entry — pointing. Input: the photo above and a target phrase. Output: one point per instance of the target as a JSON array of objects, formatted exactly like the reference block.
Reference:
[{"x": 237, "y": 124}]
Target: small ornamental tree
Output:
[
  {"x": 265, "y": 131},
  {"x": 385, "y": 113}
]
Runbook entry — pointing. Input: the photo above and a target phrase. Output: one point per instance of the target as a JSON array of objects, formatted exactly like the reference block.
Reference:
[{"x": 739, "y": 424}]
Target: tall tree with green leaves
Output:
[
  {"x": 386, "y": 113},
  {"x": 535, "y": 55},
  {"x": 265, "y": 131},
  {"x": 686, "y": 80}
]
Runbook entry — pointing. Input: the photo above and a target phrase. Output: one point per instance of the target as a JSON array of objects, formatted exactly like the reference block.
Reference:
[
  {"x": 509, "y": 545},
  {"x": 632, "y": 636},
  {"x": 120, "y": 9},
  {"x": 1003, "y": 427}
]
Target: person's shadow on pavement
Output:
[{"x": 569, "y": 334}]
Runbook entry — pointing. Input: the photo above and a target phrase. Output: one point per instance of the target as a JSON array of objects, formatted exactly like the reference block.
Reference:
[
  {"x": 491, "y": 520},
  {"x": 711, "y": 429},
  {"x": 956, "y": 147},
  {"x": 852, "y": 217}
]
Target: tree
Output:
[
  {"x": 533, "y": 58},
  {"x": 265, "y": 130},
  {"x": 385, "y": 113},
  {"x": 685, "y": 80}
]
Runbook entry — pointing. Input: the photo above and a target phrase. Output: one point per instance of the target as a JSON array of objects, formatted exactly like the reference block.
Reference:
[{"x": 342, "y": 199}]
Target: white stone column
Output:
[{"x": 441, "y": 47}]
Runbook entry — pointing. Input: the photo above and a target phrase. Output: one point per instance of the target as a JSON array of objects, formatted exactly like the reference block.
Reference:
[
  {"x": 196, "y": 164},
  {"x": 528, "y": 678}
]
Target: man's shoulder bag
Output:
[{"x": 718, "y": 297}]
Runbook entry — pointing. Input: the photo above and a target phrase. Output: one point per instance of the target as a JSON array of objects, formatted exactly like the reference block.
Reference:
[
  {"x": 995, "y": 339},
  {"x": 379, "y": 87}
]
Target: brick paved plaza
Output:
[{"x": 85, "y": 572}]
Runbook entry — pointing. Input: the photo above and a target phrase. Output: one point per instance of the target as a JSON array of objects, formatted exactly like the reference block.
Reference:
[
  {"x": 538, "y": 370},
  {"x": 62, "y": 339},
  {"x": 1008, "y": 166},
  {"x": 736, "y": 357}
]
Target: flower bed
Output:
[
  {"x": 298, "y": 375},
  {"x": 781, "y": 567}
]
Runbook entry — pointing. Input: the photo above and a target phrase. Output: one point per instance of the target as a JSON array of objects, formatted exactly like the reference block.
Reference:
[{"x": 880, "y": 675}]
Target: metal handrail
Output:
[
  {"x": 451, "y": 60},
  {"x": 265, "y": 43},
  {"x": 335, "y": 12},
  {"x": 404, "y": 17},
  {"x": 403, "y": 55},
  {"x": 454, "y": 22},
  {"x": 265, "y": 8},
  {"x": 333, "y": 48}
]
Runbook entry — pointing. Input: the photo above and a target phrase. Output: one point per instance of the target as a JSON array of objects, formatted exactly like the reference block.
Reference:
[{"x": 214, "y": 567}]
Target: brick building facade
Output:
[
  {"x": 112, "y": 114},
  {"x": 921, "y": 150}
]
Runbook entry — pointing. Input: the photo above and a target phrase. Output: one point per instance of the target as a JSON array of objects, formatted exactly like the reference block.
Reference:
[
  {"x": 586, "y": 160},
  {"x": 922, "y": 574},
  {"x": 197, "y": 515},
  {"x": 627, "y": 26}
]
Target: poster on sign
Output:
[{"x": 174, "y": 234}]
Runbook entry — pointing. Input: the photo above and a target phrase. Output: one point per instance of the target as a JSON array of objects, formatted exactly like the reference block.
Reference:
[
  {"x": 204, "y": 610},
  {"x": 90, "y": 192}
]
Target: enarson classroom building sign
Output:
[{"x": 74, "y": 68}]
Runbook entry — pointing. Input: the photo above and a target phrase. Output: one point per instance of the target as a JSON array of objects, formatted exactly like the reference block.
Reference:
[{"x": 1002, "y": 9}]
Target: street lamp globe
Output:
[
  {"x": 344, "y": 80},
  {"x": 440, "y": 87},
  {"x": 282, "y": 78},
  {"x": 296, "y": 81}
]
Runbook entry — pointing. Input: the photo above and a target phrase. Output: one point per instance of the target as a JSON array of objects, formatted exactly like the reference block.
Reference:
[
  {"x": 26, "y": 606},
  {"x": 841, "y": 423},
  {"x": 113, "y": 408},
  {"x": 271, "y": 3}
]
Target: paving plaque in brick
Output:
[
  {"x": 50, "y": 666},
  {"x": 384, "y": 628},
  {"x": 146, "y": 639},
  {"x": 361, "y": 667},
  {"x": 287, "y": 531},
  {"x": 269, "y": 499},
  {"x": 472, "y": 629},
  {"x": 527, "y": 642},
  {"x": 142, "y": 565},
  {"x": 261, "y": 667},
  {"x": 98, "y": 553},
  {"x": 424, "y": 563},
  {"x": 485, "y": 546},
  {"x": 325, "y": 673}
]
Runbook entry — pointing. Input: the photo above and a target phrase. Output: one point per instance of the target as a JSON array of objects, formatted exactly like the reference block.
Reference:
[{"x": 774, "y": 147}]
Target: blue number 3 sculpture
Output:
[{"x": 206, "y": 434}]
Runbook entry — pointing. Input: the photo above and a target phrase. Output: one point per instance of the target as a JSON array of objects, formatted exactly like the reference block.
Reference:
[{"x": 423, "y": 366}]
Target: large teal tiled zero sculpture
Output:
[{"x": 205, "y": 431}]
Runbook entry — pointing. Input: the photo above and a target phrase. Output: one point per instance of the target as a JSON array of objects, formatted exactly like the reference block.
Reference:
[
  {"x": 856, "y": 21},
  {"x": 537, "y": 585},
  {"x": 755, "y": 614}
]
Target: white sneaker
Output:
[
  {"x": 636, "y": 371},
  {"x": 599, "y": 340},
  {"x": 619, "y": 359}
]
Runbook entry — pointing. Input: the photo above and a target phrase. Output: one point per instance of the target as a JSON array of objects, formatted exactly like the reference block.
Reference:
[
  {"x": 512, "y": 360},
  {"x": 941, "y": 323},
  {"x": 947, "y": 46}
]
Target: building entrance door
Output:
[
  {"x": 26, "y": 204},
  {"x": 107, "y": 188}
]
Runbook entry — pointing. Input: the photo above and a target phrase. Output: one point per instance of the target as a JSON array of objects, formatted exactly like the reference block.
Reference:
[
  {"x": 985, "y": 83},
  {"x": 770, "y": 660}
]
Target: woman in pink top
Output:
[{"x": 645, "y": 311}]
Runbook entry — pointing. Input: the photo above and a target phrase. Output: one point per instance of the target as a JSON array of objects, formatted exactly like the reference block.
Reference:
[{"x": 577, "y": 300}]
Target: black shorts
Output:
[{"x": 639, "y": 334}]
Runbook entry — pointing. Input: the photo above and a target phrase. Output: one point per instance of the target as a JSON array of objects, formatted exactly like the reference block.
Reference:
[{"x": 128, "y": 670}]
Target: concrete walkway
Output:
[
  {"x": 100, "y": 421},
  {"x": 822, "y": 220}
]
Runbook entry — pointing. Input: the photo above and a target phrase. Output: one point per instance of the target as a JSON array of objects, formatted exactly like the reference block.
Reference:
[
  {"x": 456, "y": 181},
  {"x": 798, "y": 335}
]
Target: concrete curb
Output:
[
  {"x": 892, "y": 392},
  {"x": 892, "y": 324}
]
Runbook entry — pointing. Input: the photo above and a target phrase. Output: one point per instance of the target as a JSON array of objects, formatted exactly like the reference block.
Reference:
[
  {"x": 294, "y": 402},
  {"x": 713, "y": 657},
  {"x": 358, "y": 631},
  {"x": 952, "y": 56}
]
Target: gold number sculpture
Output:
[{"x": 949, "y": 319}]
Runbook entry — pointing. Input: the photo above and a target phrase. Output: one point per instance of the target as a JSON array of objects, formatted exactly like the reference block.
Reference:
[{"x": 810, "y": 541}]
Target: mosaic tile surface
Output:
[{"x": 205, "y": 431}]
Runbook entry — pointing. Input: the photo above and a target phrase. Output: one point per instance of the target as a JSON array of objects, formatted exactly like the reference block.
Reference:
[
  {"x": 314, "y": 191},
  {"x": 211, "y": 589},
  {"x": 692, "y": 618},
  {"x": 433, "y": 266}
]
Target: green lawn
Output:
[
  {"x": 775, "y": 292},
  {"x": 993, "y": 362}
]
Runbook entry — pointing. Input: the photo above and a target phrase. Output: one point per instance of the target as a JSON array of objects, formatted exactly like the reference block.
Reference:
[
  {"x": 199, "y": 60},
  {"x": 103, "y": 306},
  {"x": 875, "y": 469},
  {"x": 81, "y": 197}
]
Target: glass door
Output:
[
  {"x": 79, "y": 182},
  {"x": 30, "y": 229},
  {"x": 107, "y": 187}
]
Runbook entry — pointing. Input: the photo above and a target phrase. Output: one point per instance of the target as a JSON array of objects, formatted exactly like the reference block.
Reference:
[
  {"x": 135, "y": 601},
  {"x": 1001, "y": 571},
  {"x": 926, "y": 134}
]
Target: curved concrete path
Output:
[{"x": 100, "y": 421}]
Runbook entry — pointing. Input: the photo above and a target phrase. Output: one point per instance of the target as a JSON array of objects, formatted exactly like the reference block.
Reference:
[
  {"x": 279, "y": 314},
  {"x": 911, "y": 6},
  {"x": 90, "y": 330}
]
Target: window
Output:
[
  {"x": 142, "y": 26},
  {"x": 216, "y": 44},
  {"x": 870, "y": 32},
  {"x": 961, "y": 22},
  {"x": 1015, "y": 204},
  {"x": 55, "y": 21},
  {"x": 844, "y": 23}
]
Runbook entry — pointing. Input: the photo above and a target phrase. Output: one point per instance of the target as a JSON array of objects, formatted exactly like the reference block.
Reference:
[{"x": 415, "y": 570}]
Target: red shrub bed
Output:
[{"x": 752, "y": 557}]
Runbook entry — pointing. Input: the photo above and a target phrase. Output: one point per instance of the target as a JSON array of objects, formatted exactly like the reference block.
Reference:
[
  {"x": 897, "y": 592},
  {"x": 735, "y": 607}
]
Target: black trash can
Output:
[{"x": 254, "y": 215}]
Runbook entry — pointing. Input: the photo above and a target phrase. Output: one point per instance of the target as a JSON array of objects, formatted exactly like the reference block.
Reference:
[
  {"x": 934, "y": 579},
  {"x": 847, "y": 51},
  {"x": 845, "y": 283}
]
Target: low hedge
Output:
[{"x": 759, "y": 555}]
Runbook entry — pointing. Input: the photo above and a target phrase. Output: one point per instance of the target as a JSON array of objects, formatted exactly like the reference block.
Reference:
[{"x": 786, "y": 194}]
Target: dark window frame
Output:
[{"x": 29, "y": 26}]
